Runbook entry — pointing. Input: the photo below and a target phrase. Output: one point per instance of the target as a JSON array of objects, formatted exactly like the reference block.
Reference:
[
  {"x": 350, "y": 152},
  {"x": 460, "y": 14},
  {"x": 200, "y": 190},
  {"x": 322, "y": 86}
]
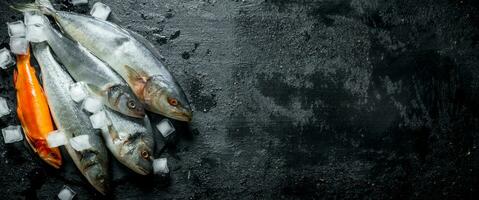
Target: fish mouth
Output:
[
  {"x": 182, "y": 116},
  {"x": 53, "y": 162},
  {"x": 142, "y": 171}
]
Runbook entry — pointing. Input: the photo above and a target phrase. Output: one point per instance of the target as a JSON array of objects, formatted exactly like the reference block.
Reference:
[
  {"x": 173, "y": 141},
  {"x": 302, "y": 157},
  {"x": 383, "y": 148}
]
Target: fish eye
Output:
[
  {"x": 145, "y": 154},
  {"x": 131, "y": 104},
  {"x": 172, "y": 101}
]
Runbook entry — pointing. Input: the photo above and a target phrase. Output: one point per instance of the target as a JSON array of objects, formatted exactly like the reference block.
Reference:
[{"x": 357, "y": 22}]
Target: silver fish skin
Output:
[
  {"x": 130, "y": 140},
  {"x": 130, "y": 55},
  {"x": 69, "y": 118},
  {"x": 102, "y": 81}
]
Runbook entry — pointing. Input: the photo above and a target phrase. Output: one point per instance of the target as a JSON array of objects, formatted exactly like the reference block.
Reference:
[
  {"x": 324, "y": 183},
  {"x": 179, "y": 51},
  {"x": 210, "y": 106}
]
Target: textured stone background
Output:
[{"x": 300, "y": 99}]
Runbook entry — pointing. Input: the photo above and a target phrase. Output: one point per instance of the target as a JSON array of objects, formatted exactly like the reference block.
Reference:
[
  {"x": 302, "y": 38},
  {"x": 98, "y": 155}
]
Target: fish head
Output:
[
  {"x": 165, "y": 97},
  {"x": 95, "y": 171},
  {"x": 53, "y": 158},
  {"x": 124, "y": 101},
  {"x": 137, "y": 153}
]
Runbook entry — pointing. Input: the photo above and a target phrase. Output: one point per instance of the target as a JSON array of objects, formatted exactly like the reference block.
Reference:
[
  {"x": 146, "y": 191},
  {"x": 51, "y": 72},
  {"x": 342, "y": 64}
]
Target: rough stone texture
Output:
[{"x": 299, "y": 99}]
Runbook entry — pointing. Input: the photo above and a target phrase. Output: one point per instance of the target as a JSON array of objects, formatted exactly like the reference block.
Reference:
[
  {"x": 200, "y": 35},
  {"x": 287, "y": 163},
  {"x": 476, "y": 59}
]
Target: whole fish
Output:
[
  {"x": 69, "y": 118},
  {"x": 100, "y": 79},
  {"x": 33, "y": 111},
  {"x": 129, "y": 54},
  {"x": 130, "y": 141}
]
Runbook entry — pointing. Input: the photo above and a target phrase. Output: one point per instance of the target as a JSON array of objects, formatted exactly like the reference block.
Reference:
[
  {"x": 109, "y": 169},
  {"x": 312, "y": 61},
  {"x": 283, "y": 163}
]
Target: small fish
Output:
[
  {"x": 129, "y": 54},
  {"x": 33, "y": 111},
  {"x": 69, "y": 118},
  {"x": 130, "y": 141},
  {"x": 100, "y": 79}
]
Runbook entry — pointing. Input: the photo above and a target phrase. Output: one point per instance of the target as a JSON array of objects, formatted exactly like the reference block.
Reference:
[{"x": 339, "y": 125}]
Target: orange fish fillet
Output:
[{"x": 33, "y": 111}]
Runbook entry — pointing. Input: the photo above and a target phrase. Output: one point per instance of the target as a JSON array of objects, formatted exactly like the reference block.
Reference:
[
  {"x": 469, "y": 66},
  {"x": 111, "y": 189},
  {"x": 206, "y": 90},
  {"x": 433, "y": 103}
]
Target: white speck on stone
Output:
[
  {"x": 12, "y": 134},
  {"x": 160, "y": 166},
  {"x": 100, "y": 11},
  {"x": 99, "y": 120},
  {"x": 78, "y": 2},
  {"x": 78, "y": 91},
  {"x": 4, "y": 109},
  {"x": 92, "y": 105},
  {"x": 66, "y": 193},
  {"x": 56, "y": 138},
  {"x": 165, "y": 127},
  {"x": 80, "y": 143},
  {"x": 6, "y": 59},
  {"x": 16, "y": 29},
  {"x": 18, "y": 45}
]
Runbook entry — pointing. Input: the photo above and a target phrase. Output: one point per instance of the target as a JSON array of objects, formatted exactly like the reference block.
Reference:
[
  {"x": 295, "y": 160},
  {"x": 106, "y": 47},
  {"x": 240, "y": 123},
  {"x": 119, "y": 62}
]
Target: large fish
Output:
[
  {"x": 130, "y": 141},
  {"x": 69, "y": 118},
  {"x": 129, "y": 54},
  {"x": 33, "y": 111},
  {"x": 100, "y": 79}
]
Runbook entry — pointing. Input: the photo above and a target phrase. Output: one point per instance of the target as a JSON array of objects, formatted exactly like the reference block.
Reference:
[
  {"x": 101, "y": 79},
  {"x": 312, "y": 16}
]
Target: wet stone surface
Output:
[{"x": 333, "y": 99}]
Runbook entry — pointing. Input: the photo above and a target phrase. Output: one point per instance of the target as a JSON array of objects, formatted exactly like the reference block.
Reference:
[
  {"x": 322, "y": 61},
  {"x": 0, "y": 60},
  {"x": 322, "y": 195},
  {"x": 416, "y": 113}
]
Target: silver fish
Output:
[
  {"x": 98, "y": 76},
  {"x": 130, "y": 55},
  {"x": 69, "y": 118},
  {"x": 130, "y": 141}
]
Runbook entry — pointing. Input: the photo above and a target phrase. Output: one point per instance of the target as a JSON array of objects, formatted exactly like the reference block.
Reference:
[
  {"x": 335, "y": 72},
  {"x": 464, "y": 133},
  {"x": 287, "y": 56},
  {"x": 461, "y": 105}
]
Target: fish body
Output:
[
  {"x": 33, "y": 111},
  {"x": 69, "y": 118},
  {"x": 130, "y": 141},
  {"x": 129, "y": 54},
  {"x": 100, "y": 79}
]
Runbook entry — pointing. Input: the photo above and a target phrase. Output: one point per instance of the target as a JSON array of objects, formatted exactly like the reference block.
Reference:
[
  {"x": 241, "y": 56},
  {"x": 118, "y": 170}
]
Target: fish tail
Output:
[{"x": 39, "y": 6}]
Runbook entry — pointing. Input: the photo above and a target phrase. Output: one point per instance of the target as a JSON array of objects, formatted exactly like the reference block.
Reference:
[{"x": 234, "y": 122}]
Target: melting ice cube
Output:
[
  {"x": 78, "y": 92},
  {"x": 66, "y": 193},
  {"x": 16, "y": 29},
  {"x": 160, "y": 166},
  {"x": 99, "y": 120},
  {"x": 92, "y": 105},
  {"x": 18, "y": 45},
  {"x": 12, "y": 134},
  {"x": 35, "y": 33},
  {"x": 78, "y": 2},
  {"x": 32, "y": 18},
  {"x": 6, "y": 59},
  {"x": 80, "y": 143},
  {"x": 4, "y": 109},
  {"x": 56, "y": 138},
  {"x": 165, "y": 127},
  {"x": 100, "y": 11}
]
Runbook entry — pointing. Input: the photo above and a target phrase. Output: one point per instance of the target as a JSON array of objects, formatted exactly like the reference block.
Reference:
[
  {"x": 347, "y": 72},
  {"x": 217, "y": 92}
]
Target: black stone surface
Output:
[{"x": 300, "y": 99}]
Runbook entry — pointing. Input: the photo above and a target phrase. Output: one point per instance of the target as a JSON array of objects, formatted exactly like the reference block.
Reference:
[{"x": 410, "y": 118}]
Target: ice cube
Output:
[
  {"x": 92, "y": 105},
  {"x": 16, "y": 29},
  {"x": 12, "y": 134},
  {"x": 56, "y": 138},
  {"x": 32, "y": 18},
  {"x": 66, "y": 193},
  {"x": 100, "y": 120},
  {"x": 100, "y": 11},
  {"x": 165, "y": 127},
  {"x": 80, "y": 143},
  {"x": 78, "y": 91},
  {"x": 4, "y": 109},
  {"x": 18, "y": 45},
  {"x": 160, "y": 166},
  {"x": 35, "y": 33},
  {"x": 6, "y": 59},
  {"x": 78, "y": 2}
]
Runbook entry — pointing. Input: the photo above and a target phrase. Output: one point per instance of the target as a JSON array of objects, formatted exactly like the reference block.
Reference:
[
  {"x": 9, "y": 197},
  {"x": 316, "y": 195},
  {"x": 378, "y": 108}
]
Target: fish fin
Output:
[
  {"x": 94, "y": 89},
  {"x": 39, "y": 6},
  {"x": 138, "y": 79}
]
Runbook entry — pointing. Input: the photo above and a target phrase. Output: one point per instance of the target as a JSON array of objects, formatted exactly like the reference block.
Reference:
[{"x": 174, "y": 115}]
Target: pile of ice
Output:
[
  {"x": 165, "y": 127},
  {"x": 78, "y": 2},
  {"x": 56, "y": 138},
  {"x": 12, "y": 134},
  {"x": 80, "y": 143},
  {"x": 78, "y": 91},
  {"x": 100, "y": 11},
  {"x": 17, "y": 32},
  {"x": 6, "y": 59},
  {"x": 4, "y": 109},
  {"x": 92, "y": 105},
  {"x": 160, "y": 166},
  {"x": 66, "y": 193}
]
